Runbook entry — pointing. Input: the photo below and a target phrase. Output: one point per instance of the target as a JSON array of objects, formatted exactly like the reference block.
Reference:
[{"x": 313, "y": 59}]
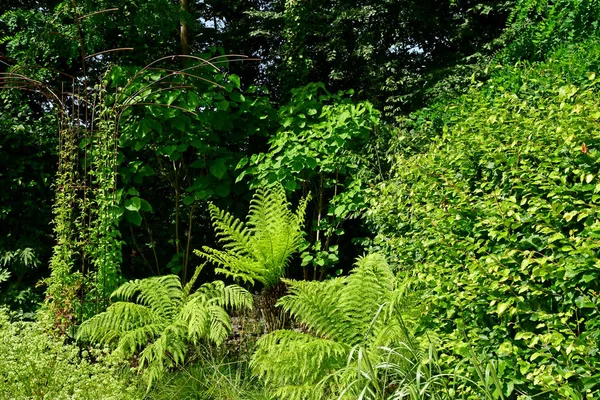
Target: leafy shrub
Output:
[
  {"x": 493, "y": 208},
  {"x": 538, "y": 27},
  {"x": 34, "y": 365},
  {"x": 158, "y": 318}
]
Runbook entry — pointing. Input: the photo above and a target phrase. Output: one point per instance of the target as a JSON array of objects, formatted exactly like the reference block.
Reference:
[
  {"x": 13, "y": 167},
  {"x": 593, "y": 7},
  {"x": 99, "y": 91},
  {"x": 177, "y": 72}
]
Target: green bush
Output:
[
  {"x": 493, "y": 209},
  {"x": 34, "y": 365}
]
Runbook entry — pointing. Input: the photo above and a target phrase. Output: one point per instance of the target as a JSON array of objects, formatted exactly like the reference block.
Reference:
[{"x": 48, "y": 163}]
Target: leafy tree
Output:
[
  {"x": 392, "y": 52},
  {"x": 158, "y": 318}
]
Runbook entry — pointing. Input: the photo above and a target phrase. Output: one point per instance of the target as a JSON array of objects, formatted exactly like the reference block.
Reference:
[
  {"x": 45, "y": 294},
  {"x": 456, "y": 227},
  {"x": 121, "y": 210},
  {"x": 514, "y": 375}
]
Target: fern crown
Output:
[
  {"x": 261, "y": 248},
  {"x": 157, "y": 317},
  {"x": 339, "y": 314}
]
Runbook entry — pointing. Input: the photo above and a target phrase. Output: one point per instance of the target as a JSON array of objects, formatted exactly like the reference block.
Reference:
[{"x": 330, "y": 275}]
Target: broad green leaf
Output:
[{"x": 218, "y": 168}]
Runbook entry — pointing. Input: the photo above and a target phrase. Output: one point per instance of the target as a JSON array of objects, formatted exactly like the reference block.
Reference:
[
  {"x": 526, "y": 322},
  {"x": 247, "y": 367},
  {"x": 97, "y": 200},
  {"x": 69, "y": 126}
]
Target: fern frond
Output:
[
  {"x": 135, "y": 339},
  {"x": 106, "y": 328},
  {"x": 369, "y": 285},
  {"x": 195, "y": 315},
  {"x": 188, "y": 286},
  {"x": 301, "y": 212},
  {"x": 231, "y": 296},
  {"x": 161, "y": 317},
  {"x": 242, "y": 268},
  {"x": 235, "y": 296},
  {"x": 220, "y": 324},
  {"x": 316, "y": 305},
  {"x": 166, "y": 352},
  {"x": 161, "y": 293},
  {"x": 286, "y": 358},
  {"x": 232, "y": 233}
]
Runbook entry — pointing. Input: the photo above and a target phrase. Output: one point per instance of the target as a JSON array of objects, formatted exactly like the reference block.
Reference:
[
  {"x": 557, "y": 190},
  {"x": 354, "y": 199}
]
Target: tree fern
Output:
[
  {"x": 158, "y": 318},
  {"x": 339, "y": 314},
  {"x": 261, "y": 248}
]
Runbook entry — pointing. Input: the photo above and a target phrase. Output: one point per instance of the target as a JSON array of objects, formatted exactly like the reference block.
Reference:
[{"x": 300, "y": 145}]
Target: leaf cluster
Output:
[
  {"x": 261, "y": 248},
  {"x": 34, "y": 365},
  {"x": 337, "y": 315}
]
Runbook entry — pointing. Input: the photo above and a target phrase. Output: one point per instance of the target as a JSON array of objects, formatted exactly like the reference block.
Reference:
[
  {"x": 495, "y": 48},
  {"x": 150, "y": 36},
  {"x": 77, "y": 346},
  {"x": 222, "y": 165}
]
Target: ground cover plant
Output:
[{"x": 36, "y": 365}]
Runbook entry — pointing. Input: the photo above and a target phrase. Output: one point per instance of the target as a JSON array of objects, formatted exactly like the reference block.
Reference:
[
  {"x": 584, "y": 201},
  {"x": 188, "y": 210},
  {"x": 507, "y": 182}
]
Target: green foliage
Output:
[
  {"x": 538, "y": 27},
  {"x": 261, "y": 248},
  {"x": 189, "y": 142},
  {"x": 4, "y": 275},
  {"x": 61, "y": 302},
  {"x": 158, "y": 318},
  {"x": 492, "y": 205},
  {"x": 18, "y": 295},
  {"x": 27, "y": 150},
  {"x": 34, "y": 365},
  {"x": 20, "y": 261},
  {"x": 338, "y": 314},
  {"x": 320, "y": 134},
  {"x": 326, "y": 145}
]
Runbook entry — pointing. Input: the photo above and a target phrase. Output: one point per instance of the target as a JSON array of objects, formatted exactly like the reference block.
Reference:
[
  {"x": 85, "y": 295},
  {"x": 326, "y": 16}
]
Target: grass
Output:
[{"x": 211, "y": 374}]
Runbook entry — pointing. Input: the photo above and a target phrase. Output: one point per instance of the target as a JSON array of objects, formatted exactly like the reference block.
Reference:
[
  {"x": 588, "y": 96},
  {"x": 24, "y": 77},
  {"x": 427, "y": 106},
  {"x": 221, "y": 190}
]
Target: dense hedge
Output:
[{"x": 493, "y": 210}]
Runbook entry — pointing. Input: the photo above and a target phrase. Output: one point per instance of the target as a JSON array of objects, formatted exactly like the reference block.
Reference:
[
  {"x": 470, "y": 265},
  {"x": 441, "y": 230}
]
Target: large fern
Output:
[
  {"x": 339, "y": 314},
  {"x": 158, "y": 318},
  {"x": 261, "y": 248}
]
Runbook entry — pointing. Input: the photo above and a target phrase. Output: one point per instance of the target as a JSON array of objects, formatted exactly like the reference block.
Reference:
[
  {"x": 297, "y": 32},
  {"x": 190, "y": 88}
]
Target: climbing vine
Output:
[{"x": 63, "y": 284}]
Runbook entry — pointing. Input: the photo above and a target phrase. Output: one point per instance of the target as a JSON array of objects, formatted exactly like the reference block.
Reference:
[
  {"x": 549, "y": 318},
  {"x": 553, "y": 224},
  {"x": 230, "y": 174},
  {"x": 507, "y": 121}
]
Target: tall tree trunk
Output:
[{"x": 184, "y": 34}]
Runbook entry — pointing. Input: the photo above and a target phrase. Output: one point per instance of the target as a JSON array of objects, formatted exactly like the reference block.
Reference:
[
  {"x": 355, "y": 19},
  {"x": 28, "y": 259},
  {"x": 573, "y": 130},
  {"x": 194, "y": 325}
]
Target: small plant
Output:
[{"x": 158, "y": 318}]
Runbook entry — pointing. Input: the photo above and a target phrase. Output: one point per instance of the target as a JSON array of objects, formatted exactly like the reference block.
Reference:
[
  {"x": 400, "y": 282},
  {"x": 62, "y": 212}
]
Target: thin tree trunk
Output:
[
  {"x": 187, "y": 247},
  {"x": 273, "y": 317}
]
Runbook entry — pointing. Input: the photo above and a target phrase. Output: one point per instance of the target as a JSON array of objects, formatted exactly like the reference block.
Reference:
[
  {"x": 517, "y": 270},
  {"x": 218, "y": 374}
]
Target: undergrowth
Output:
[
  {"x": 212, "y": 374},
  {"x": 35, "y": 365}
]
